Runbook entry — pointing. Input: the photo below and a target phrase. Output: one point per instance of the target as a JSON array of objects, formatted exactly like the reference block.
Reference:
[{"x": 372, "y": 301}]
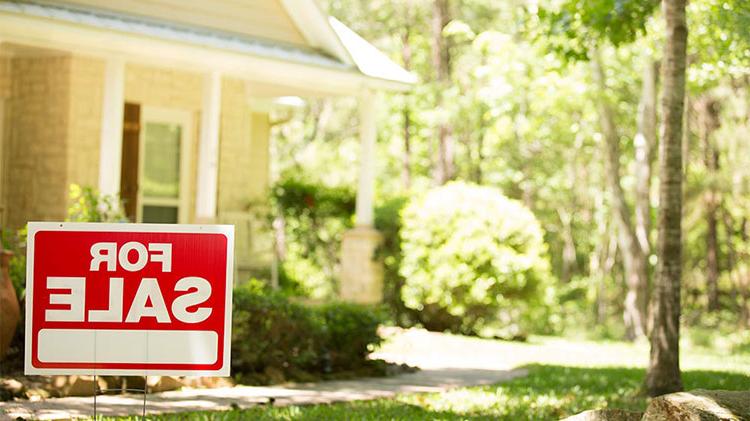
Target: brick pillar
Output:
[{"x": 361, "y": 273}]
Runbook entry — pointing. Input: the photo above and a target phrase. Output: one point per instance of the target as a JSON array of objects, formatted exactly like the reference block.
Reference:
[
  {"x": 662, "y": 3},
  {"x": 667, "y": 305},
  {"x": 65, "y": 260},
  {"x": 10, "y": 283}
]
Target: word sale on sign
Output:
[{"x": 128, "y": 299}]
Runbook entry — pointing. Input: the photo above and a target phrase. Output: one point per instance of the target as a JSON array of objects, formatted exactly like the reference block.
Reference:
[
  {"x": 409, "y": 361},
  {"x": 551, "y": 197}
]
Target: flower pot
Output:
[{"x": 10, "y": 311}]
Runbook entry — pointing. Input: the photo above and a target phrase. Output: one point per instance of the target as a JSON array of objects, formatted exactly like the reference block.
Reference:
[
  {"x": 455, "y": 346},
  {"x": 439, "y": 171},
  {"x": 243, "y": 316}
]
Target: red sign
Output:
[{"x": 128, "y": 299}]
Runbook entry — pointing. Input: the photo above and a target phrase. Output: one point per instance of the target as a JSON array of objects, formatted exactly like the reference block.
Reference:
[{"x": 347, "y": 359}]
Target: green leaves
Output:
[
  {"x": 473, "y": 253},
  {"x": 574, "y": 27}
]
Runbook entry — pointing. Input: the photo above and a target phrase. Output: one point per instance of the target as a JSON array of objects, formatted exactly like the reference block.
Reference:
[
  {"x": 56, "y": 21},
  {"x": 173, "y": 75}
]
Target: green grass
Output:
[{"x": 568, "y": 377}]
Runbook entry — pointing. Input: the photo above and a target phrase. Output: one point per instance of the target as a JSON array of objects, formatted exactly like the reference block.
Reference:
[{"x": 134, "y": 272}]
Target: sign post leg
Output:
[
  {"x": 96, "y": 392},
  {"x": 145, "y": 392}
]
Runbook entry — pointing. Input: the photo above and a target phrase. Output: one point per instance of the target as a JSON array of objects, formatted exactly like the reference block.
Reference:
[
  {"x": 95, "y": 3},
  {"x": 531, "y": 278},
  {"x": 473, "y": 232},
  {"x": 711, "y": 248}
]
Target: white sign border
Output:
[{"x": 35, "y": 227}]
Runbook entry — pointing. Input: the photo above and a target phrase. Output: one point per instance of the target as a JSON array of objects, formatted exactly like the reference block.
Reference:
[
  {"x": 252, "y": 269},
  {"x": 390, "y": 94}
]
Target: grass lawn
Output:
[{"x": 565, "y": 377}]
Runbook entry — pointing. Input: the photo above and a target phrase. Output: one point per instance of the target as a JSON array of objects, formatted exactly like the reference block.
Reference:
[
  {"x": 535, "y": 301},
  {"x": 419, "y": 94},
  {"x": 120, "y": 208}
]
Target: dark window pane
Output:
[{"x": 160, "y": 214}]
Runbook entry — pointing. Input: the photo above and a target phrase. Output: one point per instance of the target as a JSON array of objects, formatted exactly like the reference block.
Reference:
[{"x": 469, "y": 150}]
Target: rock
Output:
[
  {"x": 700, "y": 405},
  {"x": 207, "y": 382},
  {"x": 11, "y": 388},
  {"x": 10, "y": 310},
  {"x": 606, "y": 415},
  {"x": 82, "y": 386},
  {"x": 163, "y": 384}
]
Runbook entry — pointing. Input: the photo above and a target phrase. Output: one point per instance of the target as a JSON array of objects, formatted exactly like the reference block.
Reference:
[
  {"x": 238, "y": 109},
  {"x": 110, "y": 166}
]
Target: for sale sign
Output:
[{"x": 128, "y": 299}]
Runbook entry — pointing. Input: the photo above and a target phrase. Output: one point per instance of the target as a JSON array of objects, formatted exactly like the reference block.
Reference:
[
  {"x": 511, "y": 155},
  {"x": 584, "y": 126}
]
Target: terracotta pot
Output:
[{"x": 10, "y": 311}]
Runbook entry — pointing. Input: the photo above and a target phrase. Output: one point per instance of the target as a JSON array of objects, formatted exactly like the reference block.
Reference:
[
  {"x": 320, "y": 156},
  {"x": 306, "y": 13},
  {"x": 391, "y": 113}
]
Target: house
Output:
[{"x": 166, "y": 103}]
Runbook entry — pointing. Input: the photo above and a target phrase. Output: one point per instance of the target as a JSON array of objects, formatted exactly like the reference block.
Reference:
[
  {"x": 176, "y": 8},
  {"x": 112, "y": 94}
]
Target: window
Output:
[{"x": 164, "y": 173}]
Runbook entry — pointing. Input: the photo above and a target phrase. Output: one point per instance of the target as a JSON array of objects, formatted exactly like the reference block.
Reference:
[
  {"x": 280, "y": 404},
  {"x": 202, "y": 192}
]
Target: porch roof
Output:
[{"x": 343, "y": 71}]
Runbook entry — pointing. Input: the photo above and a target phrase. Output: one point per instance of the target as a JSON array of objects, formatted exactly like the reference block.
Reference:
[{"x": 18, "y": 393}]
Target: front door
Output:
[{"x": 155, "y": 164}]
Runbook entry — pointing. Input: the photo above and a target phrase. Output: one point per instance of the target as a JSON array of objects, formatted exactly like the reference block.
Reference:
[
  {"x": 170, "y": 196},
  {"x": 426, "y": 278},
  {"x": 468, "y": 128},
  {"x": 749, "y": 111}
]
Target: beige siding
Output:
[
  {"x": 256, "y": 18},
  {"x": 36, "y": 183}
]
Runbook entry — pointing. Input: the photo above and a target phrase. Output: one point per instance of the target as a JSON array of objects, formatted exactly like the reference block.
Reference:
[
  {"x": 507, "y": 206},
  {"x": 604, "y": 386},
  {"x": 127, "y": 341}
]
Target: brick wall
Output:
[
  {"x": 35, "y": 145},
  {"x": 243, "y": 175},
  {"x": 84, "y": 121},
  {"x": 4, "y": 77}
]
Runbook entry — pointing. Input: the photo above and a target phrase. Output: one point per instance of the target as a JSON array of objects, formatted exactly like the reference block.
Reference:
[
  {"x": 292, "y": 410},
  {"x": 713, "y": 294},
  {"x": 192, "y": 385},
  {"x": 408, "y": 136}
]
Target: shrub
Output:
[
  {"x": 388, "y": 223},
  {"x": 87, "y": 205},
  {"x": 314, "y": 217},
  {"x": 272, "y": 333},
  {"x": 474, "y": 261},
  {"x": 351, "y": 332}
]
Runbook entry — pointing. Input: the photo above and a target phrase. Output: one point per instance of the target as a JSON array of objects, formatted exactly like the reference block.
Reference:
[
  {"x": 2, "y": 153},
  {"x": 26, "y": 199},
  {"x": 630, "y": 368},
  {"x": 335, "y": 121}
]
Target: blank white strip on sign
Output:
[{"x": 127, "y": 346}]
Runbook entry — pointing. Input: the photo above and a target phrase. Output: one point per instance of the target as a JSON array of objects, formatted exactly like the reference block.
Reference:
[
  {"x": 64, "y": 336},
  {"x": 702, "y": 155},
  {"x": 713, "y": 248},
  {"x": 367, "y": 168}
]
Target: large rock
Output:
[
  {"x": 82, "y": 386},
  {"x": 700, "y": 405},
  {"x": 10, "y": 311},
  {"x": 606, "y": 415}
]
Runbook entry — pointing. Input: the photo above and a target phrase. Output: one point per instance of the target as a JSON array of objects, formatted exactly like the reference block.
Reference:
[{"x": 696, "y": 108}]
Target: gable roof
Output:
[{"x": 330, "y": 44}]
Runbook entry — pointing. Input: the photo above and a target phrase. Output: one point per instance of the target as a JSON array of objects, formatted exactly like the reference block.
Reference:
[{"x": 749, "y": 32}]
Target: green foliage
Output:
[
  {"x": 351, "y": 333},
  {"x": 388, "y": 222},
  {"x": 272, "y": 334},
  {"x": 87, "y": 205},
  {"x": 16, "y": 243},
  {"x": 575, "y": 27},
  {"x": 270, "y": 331},
  {"x": 314, "y": 218},
  {"x": 474, "y": 260}
]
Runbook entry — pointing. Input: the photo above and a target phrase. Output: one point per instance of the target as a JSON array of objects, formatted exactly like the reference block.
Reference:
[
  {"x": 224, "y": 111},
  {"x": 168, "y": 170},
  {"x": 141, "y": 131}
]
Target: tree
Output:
[
  {"x": 664, "y": 367},
  {"x": 635, "y": 257},
  {"x": 441, "y": 61}
]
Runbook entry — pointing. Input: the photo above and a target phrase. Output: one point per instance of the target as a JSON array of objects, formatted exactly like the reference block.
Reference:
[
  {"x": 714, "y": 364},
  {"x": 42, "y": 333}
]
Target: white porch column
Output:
[
  {"x": 113, "y": 104},
  {"x": 208, "y": 151},
  {"x": 367, "y": 134},
  {"x": 361, "y": 273}
]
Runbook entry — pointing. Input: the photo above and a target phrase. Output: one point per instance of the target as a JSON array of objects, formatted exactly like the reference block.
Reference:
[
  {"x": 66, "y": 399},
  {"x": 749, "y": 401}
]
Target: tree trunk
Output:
[
  {"x": 645, "y": 141},
  {"x": 569, "y": 261},
  {"x": 445, "y": 167},
  {"x": 708, "y": 121},
  {"x": 664, "y": 368},
  {"x": 406, "y": 112},
  {"x": 634, "y": 258}
]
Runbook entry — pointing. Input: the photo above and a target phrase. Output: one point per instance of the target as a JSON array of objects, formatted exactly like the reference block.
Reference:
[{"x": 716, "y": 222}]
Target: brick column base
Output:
[{"x": 361, "y": 274}]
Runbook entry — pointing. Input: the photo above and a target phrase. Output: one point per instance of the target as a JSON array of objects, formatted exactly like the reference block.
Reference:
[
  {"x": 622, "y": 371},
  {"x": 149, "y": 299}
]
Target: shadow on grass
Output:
[{"x": 549, "y": 392}]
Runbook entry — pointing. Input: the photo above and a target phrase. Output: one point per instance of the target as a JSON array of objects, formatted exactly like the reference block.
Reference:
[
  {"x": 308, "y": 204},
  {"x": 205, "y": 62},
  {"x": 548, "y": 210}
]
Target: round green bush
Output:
[{"x": 474, "y": 261}]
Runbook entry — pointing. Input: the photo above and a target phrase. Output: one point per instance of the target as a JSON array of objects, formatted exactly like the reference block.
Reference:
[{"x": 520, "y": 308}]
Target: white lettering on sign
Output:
[
  {"x": 76, "y": 287},
  {"x": 113, "y": 313},
  {"x": 200, "y": 295},
  {"x": 107, "y": 253},
  {"x": 148, "y": 301}
]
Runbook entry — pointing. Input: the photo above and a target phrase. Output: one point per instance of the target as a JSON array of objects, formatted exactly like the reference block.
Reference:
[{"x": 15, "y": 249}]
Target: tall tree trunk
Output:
[
  {"x": 645, "y": 141},
  {"x": 664, "y": 368},
  {"x": 708, "y": 121},
  {"x": 634, "y": 258},
  {"x": 569, "y": 261},
  {"x": 406, "y": 112},
  {"x": 445, "y": 167}
]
